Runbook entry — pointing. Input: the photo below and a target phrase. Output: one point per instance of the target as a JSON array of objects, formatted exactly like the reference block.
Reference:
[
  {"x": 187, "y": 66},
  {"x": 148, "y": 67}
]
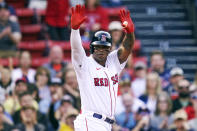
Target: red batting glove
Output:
[
  {"x": 77, "y": 16},
  {"x": 126, "y": 21}
]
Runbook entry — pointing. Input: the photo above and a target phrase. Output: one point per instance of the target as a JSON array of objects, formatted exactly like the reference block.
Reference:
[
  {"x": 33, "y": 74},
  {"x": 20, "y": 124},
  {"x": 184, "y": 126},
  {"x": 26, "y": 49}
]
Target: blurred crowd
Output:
[{"x": 151, "y": 97}]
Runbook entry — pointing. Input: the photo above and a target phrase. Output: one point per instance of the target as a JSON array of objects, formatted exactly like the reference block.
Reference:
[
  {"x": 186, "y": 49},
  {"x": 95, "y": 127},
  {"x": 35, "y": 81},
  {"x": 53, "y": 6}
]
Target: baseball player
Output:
[{"x": 98, "y": 74}]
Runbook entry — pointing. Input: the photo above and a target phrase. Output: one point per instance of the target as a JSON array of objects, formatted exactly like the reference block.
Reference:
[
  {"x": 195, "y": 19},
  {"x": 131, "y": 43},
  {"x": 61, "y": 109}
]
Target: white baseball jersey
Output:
[{"x": 98, "y": 85}]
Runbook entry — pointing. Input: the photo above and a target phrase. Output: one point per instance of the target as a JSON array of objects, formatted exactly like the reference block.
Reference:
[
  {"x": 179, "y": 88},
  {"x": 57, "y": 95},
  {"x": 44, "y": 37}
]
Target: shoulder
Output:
[
  {"x": 113, "y": 54},
  {"x": 13, "y": 24},
  {"x": 17, "y": 70},
  {"x": 6, "y": 125},
  {"x": 32, "y": 70},
  {"x": 20, "y": 126},
  {"x": 40, "y": 127}
]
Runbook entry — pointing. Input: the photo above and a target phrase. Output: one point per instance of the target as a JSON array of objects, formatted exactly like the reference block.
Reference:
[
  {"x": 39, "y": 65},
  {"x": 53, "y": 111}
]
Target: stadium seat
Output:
[
  {"x": 30, "y": 32},
  {"x": 36, "y": 48},
  {"x": 113, "y": 13},
  {"x": 36, "y": 45},
  {"x": 25, "y": 15},
  {"x": 16, "y": 3}
]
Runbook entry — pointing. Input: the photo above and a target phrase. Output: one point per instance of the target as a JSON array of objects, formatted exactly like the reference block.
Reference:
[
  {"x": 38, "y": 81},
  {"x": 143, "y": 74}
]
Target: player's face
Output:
[{"x": 100, "y": 53}]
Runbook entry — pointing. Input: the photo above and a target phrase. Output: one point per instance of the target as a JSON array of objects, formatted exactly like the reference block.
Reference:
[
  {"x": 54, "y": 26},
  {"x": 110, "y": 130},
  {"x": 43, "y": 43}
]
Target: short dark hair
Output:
[
  {"x": 39, "y": 72},
  {"x": 24, "y": 94},
  {"x": 157, "y": 52}
]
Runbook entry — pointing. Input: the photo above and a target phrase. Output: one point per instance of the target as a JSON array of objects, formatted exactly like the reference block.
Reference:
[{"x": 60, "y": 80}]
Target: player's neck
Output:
[{"x": 100, "y": 62}]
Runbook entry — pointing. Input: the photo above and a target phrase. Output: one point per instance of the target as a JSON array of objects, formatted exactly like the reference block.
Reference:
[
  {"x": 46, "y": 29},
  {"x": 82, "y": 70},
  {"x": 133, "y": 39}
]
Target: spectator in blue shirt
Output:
[
  {"x": 158, "y": 65},
  {"x": 126, "y": 118}
]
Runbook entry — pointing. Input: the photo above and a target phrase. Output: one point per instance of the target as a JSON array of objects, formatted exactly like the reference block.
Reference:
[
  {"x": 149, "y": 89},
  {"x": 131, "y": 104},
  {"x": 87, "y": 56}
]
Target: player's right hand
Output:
[{"x": 77, "y": 16}]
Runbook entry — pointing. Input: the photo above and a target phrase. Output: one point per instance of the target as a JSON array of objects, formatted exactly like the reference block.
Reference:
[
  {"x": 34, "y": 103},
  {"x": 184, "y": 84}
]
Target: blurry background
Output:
[{"x": 35, "y": 65}]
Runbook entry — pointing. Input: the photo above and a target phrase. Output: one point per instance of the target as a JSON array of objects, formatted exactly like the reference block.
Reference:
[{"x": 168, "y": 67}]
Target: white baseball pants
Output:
[{"x": 86, "y": 122}]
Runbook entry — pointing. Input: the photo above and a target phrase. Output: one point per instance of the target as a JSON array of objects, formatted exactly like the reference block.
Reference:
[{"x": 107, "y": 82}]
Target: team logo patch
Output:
[{"x": 103, "y": 38}]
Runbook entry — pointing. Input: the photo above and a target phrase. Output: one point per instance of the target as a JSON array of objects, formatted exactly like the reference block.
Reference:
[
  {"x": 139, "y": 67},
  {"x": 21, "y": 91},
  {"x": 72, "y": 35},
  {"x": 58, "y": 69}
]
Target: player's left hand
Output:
[{"x": 126, "y": 20}]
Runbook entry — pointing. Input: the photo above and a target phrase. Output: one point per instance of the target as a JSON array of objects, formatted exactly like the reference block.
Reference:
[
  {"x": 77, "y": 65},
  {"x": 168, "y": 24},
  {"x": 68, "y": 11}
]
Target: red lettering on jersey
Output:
[
  {"x": 115, "y": 79},
  {"x": 106, "y": 81},
  {"x": 101, "y": 82},
  {"x": 96, "y": 81}
]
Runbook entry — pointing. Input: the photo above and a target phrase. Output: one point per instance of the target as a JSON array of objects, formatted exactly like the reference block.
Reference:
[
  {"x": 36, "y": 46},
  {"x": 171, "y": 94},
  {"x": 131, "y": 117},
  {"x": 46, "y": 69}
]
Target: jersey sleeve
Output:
[
  {"x": 78, "y": 54},
  {"x": 113, "y": 59}
]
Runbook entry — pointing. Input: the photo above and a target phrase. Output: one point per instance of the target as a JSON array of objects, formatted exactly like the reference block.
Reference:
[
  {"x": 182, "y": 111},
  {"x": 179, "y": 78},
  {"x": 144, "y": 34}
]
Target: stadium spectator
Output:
[
  {"x": 26, "y": 100},
  {"x": 42, "y": 79},
  {"x": 142, "y": 118},
  {"x": 115, "y": 29},
  {"x": 162, "y": 117},
  {"x": 11, "y": 104},
  {"x": 70, "y": 87},
  {"x": 153, "y": 88},
  {"x": 125, "y": 87},
  {"x": 139, "y": 83},
  {"x": 56, "y": 64},
  {"x": 5, "y": 123},
  {"x": 56, "y": 115},
  {"x": 158, "y": 65},
  {"x": 180, "y": 122},
  {"x": 29, "y": 120},
  {"x": 10, "y": 35},
  {"x": 176, "y": 74},
  {"x": 67, "y": 122},
  {"x": 57, "y": 19},
  {"x": 97, "y": 18},
  {"x": 24, "y": 70},
  {"x": 6, "y": 85},
  {"x": 56, "y": 92},
  {"x": 10, "y": 8},
  {"x": 126, "y": 119},
  {"x": 184, "y": 95}
]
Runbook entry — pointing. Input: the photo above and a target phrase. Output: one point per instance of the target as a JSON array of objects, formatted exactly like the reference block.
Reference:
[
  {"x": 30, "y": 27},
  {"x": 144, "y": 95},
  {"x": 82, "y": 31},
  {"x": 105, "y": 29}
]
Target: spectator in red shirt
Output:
[
  {"x": 97, "y": 17},
  {"x": 56, "y": 19}
]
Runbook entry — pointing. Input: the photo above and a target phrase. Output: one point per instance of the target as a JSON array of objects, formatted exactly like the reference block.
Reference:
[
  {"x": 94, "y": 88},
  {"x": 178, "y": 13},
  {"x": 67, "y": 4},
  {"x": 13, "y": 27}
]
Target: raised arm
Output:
[
  {"x": 77, "y": 50},
  {"x": 127, "y": 44}
]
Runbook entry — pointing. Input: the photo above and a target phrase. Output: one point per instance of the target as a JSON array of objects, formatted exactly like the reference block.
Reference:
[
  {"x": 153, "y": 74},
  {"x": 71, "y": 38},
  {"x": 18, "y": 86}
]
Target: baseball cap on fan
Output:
[
  {"x": 115, "y": 25},
  {"x": 176, "y": 71},
  {"x": 23, "y": 80},
  {"x": 67, "y": 98},
  {"x": 55, "y": 81},
  {"x": 140, "y": 65},
  {"x": 180, "y": 115}
]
